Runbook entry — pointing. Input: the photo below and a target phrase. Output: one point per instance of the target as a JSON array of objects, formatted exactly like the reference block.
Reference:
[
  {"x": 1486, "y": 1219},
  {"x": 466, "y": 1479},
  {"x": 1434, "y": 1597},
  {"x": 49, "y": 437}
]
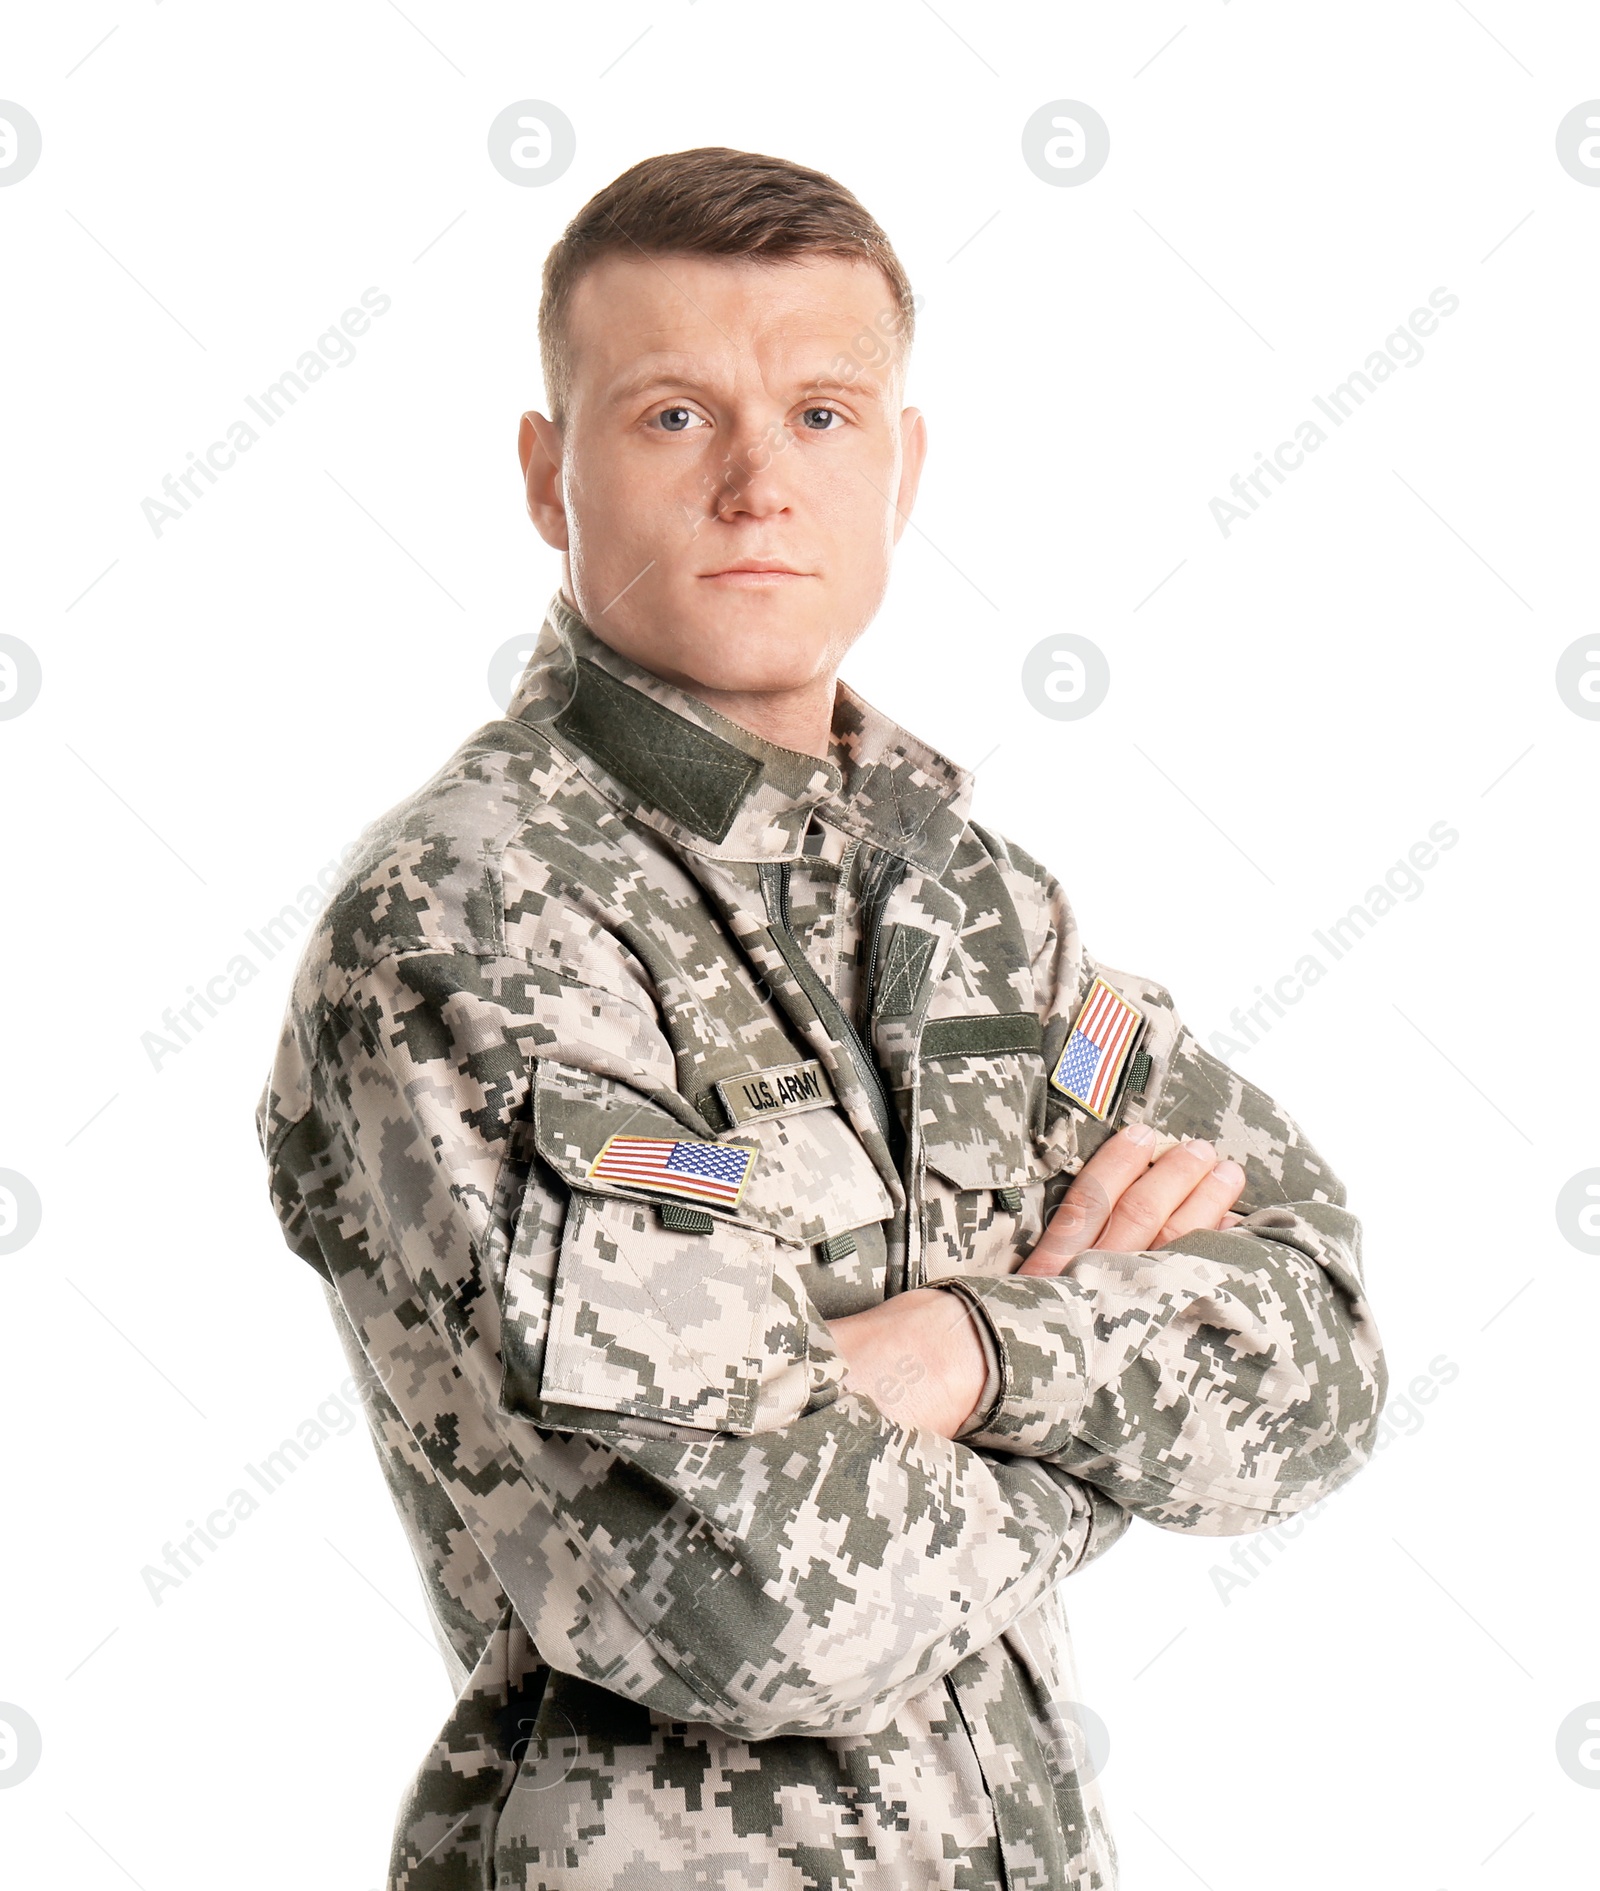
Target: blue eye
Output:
[
  {"x": 828, "y": 416},
  {"x": 675, "y": 419}
]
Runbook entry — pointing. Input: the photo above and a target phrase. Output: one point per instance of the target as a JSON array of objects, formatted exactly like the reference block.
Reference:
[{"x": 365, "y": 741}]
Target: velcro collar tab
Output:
[{"x": 686, "y": 772}]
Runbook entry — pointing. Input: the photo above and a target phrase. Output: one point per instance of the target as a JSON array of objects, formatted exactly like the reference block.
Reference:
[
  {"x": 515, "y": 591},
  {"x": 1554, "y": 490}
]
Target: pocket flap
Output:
[
  {"x": 811, "y": 1177},
  {"x": 575, "y": 1114},
  {"x": 614, "y": 1320},
  {"x": 975, "y": 1114}
]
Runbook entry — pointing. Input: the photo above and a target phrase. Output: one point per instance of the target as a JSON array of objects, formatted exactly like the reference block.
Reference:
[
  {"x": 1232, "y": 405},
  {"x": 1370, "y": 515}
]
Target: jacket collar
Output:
[{"x": 713, "y": 788}]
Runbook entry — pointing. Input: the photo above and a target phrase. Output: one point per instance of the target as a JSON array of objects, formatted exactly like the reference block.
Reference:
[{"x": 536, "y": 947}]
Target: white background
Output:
[{"x": 225, "y": 706}]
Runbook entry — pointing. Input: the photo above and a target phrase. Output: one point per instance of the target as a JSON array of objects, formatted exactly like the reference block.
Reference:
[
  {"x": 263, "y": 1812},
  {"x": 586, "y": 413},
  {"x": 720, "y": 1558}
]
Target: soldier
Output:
[{"x": 777, "y": 1252}]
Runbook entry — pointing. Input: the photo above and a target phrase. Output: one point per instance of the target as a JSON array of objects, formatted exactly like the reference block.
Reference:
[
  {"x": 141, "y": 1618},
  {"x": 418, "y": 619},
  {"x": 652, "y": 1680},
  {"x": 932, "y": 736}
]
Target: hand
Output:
[
  {"x": 917, "y": 1357},
  {"x": 1123, "y": 1202}
]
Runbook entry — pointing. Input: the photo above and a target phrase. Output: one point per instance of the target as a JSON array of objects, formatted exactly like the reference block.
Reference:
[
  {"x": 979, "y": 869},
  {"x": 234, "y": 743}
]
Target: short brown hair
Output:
[{"x": 709, "y": 202}]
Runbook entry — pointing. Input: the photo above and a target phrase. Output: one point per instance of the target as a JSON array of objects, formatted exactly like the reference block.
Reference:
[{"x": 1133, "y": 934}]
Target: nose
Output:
[{"x": 753, "y": 483}]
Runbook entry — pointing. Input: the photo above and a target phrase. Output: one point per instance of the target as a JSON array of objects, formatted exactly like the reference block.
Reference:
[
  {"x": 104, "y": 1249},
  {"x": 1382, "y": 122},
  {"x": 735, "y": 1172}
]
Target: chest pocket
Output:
[
  {"x": 635, "y": 1309},
  {"x": 980, "y": 1108}
]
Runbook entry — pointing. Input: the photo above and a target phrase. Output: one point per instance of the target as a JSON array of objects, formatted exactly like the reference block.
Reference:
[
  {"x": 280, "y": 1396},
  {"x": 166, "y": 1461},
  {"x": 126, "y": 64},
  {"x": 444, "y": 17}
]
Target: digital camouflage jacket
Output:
[{"x": 716, "y": 1620}]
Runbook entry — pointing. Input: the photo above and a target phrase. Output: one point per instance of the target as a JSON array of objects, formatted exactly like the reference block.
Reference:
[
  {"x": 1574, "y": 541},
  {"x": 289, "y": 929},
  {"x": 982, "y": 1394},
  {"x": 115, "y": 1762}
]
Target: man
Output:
[{"x": 674, "y": 1099}]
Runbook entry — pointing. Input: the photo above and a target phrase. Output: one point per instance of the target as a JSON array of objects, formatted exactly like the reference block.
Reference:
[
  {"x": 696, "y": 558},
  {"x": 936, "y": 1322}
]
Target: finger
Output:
[
  {"x": 1206, "y": 1203},
  {"x": 1145, "y": 1206},
  {"x": 1088, "y": 1202},
  {"x": 1229, "y": 1221}
]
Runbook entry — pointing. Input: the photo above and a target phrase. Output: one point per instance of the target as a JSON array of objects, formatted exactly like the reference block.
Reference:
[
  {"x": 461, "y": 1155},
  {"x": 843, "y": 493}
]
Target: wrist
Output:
[
  {"x": 919, "y": 1358},
  {"x": 992, "y": 1387},
  {"x": 960, "y": 1356}
]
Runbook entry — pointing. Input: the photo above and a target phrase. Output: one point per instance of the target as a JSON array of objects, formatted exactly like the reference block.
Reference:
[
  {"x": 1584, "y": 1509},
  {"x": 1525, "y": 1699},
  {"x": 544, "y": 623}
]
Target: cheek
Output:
[
  {"x": 615, "y": 504},
  {"x": 860, "y": 538},
  {"x": 853, "y": 492}
]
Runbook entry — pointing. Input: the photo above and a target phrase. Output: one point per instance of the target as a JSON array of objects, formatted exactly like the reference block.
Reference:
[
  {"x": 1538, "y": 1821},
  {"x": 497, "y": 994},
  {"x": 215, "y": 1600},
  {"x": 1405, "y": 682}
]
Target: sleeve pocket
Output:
[
  {"x": 657, "y": 1324},
  {"x": 615, "y": 1322}
]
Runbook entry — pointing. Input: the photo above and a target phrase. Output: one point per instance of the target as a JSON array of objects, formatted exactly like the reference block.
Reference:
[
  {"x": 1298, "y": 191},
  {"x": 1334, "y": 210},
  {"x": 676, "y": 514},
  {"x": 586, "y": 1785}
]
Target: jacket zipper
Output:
[{"x": 833, "y": 1014}]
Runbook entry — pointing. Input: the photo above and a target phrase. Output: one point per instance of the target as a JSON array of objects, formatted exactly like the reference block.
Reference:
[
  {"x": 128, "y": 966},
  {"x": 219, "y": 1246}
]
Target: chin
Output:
[
  {"x": 726, "y": 644},
  {"x": 749, "y": 642},
  {"x": 730, "y": 666}
]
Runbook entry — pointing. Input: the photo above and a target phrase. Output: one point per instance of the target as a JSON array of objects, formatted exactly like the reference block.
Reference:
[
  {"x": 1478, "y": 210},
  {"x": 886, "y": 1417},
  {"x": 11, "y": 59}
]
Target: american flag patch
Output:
[
  {"x": 1097, "y": 1052},
  {"x": 713, "y": 1172}
]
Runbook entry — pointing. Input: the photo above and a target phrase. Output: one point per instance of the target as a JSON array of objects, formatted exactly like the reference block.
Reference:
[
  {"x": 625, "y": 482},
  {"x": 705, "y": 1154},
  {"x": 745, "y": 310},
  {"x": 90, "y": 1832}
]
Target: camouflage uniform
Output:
[{"x": 714, "y": 1619}]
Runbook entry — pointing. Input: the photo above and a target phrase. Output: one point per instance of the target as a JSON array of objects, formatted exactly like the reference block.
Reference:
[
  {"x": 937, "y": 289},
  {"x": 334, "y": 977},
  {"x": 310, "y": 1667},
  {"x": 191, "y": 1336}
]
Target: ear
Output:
[
  {"x": 539, "y": 450},
  {"x": 913, "y": 451}
]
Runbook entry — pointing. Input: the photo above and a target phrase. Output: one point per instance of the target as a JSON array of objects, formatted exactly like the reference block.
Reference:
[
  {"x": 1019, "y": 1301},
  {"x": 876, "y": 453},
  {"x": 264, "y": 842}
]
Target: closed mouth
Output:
[{"x": 756, "y": 568}]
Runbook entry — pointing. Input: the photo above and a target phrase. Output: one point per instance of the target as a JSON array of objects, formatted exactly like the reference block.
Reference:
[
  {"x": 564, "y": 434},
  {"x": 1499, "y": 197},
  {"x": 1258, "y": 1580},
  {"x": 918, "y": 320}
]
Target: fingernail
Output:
[
  {"x": 1230, "y": 1172},
  {"x": 1203, "y": 1150},
  {"x": 1140, "y": 1134}
]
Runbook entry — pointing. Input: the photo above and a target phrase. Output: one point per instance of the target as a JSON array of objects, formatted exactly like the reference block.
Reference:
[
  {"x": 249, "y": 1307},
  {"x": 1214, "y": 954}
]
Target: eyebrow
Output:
[{"x": 652, "y": 380}]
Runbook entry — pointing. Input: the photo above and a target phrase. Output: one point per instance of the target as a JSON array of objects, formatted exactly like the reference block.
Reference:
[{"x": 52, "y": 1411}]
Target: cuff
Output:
[
  {"x": 993, "y": 1363},
  {"x": 1036, "y": 1339}
]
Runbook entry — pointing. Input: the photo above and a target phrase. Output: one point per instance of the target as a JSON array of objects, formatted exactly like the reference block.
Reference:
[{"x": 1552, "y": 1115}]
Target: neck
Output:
[{"x": 799, "y": 719}]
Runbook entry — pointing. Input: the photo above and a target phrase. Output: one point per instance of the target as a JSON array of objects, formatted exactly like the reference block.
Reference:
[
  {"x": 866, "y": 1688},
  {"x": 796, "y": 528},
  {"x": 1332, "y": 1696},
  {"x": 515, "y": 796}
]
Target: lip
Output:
[{"x": 753, "y": 572}]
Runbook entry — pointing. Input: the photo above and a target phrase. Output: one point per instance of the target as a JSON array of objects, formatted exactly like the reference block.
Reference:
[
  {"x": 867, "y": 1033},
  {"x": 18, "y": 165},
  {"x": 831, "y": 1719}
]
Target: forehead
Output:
[{"x": 711, "y": 312}]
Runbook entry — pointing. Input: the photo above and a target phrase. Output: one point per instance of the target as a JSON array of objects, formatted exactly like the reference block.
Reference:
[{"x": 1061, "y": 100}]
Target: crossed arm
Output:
[
  {"x": 1212, "y": 1386},
  {"x": 921, "y": 1358}
]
